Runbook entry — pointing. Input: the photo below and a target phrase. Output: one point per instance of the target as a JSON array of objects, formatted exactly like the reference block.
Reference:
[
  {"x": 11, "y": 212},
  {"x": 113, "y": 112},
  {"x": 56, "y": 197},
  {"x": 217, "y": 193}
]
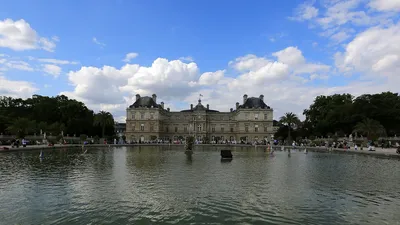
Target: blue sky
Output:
[{"x": 290, "y": 51}]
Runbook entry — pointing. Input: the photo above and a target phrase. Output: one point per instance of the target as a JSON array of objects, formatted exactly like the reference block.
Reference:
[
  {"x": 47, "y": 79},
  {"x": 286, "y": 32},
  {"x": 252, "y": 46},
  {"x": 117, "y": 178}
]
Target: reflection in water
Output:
[
  {"x": 189, "y": 156},
  {"x": 153, "y": 185}
]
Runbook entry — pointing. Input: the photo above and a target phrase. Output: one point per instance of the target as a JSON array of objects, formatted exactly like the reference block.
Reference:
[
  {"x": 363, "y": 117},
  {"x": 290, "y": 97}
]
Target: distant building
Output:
[
  {"x": 120, "y": 129},
  {"x": 250, "y": 121}
]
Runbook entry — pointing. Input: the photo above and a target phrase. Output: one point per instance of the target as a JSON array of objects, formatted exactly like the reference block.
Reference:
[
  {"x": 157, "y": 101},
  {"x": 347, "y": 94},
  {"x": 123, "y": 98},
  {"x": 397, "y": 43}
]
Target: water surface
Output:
[{"x": 154, "y": 185}]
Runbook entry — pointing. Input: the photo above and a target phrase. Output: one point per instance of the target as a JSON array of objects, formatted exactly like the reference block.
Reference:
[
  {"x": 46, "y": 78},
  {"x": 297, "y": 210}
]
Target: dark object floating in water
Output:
[{"x": 226, "y": 154}]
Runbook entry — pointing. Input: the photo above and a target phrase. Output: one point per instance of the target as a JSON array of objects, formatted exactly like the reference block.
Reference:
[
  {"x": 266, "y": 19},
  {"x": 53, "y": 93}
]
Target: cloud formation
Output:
[
  {"x": 130, "y": 56},
  {"x": 19, "y": 36},
  {"x": 97, "y": 42}
]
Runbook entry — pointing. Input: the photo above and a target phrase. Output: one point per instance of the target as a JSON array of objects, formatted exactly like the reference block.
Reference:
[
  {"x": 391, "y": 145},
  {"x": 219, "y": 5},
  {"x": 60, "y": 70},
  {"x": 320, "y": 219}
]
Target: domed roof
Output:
[
  {"x": 254, "y": 103},
  {"x": 146, "y": 101},
  {"x": 199, "y": 107}
]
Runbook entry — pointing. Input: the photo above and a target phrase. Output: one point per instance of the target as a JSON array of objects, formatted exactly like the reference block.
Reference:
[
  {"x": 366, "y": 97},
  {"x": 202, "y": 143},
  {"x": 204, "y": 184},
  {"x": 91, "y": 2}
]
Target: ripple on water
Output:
[{"x": 153, "y": 186}]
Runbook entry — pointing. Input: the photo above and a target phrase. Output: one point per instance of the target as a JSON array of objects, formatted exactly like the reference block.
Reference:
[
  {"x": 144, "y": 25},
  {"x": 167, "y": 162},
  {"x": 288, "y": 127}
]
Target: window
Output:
[
  {"x": 133, "y": 116},
  {"x": 166, "y": 129},
  {"x": 256, "y": 128},
  {"x": 256, "y": 116},
  {"x": 133, "y": 127},
  {"x": 265, "y": 128},
  {"x": 213, "y": 128},
  {"x": 142, "y": 127},
  {"x": 176, "y": 129},
  {"x": 185, "y": 128},
  {"x": 199, "y": 127},
  {"x": 142, "y": 116},
  {"x": 246, "y": 116},
  {"x": 151, "y": 127},
  {"x": 222, "y": 128},
  {"x": 231, "y": 129},
  {"x": 151, "y": 116},
  {"x": 246, "y": 128},
  {"x": 265, "y": 116}
]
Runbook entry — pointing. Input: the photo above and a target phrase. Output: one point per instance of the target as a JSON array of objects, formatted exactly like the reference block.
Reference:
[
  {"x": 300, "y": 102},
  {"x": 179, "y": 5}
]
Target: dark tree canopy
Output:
[
  {"x": 51, "y": 115},
  {"x": 340, "y": 113}
]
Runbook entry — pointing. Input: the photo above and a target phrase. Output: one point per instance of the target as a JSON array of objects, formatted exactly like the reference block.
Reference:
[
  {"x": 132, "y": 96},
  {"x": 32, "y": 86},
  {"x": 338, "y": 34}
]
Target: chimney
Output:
[
  {"x": 244, "y": 98},
  {"x": 162, "y": 104},
  {"x": 262, "y": 97},
  {"x": 191, "y": 106},
  {"x": 168, "y": 109},
  {"x": 137, "y": 97},
  {"x": 208, "y": 106},
  {"x": 154, "y": 98},
  {"x": 237, "y": 105},
  {"x": 231, "y": 109}
]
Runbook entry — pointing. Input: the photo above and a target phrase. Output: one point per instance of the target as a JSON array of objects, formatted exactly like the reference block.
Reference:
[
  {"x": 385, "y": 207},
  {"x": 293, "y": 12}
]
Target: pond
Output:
[{"x": 158, "y": 185}]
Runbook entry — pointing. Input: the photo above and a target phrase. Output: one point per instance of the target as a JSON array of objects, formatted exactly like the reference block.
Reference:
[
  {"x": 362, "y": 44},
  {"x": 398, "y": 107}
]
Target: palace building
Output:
[{"x": 250, "y": 121}]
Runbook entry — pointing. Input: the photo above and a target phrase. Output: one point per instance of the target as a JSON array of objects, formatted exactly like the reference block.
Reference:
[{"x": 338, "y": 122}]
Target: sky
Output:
[{"x": 104, "y": 52}]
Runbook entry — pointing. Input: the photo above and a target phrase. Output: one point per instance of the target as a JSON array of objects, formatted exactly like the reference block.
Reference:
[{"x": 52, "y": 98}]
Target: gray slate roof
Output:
[
  {"x": 146, "y": 101},
  {"x": 253, "y": 102}
]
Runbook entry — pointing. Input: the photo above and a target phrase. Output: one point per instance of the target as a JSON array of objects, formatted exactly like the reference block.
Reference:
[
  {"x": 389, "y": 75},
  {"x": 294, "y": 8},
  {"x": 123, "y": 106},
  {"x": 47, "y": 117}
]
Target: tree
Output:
[
  {"x": 290, "y": 120},
  {"x": 21, "y": 127},
  {"x": 103, "y": 119},
  {"x": 371, "y": 128},
  {"x": 330, "y": 114}
]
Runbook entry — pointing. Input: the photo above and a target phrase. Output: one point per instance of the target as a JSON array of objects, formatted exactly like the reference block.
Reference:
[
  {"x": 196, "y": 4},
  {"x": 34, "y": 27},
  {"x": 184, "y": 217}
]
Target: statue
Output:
[
  {"x": 189, "y": 143},
  {"x": 350, "y": 137}
]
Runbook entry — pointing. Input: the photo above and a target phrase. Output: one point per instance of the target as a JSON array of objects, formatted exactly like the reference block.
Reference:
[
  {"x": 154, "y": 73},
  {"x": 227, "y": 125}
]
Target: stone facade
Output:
[{"x": 250, "y": 121}]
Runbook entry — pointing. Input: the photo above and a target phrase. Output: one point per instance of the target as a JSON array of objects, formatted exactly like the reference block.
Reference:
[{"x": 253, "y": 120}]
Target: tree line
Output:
[
  {"x": 369, "y": 115},
  {"x": 53, "y": 115}
]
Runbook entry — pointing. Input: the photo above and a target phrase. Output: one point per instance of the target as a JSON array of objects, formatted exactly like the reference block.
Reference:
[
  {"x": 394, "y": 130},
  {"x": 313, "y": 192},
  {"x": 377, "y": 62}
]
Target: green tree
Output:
[
  {"x": 21, "y": 127},
  {"x": 330, "y": 114},
  {"x": 371, "y": 128},
  {"x": 103, "y": 119},
  {"x": 290, "y": 120}
]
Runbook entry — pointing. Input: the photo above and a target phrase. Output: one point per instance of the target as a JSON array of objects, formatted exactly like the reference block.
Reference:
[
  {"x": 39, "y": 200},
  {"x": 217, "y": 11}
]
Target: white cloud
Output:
[
  {"x": 130, "y": 56},
  {"x": 375, "y": 52},
  {"x": 290, "y": 55},
  {"x": 339, "y": 19},
  {"x": 305, "y": 11},
  {"x": 340, "y": 36},
  {"x": 94, "y": 39},
  {"x": 18, "y": 35},
  {"x": 187, "y": 59},
  {"x": 211, "y": 78},
  {"x": 341, "y": 12},
  {"x": 52, "y": 70},
  {"x": 385, "y": 5},
  {"x": 16, "y": 89},
  {"x": 54, "y": 61},
  {"x": 18, "y": 65},
  {"x": 284, "y": 82},
  {"x": 249, "y": 62},
  {"x": 115, "y": 88}
]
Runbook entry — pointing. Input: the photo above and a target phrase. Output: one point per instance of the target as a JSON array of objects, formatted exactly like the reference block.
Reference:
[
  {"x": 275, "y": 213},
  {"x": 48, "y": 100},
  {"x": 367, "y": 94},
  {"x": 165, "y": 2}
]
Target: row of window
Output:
[
  {"x": 199, "y": 128},
  {"x": 246, "y": 116}
]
